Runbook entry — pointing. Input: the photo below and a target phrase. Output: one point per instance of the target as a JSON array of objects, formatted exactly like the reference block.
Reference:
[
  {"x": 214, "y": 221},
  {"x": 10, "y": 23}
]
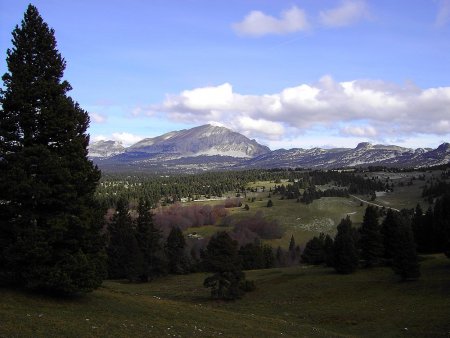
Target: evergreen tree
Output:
[
  {"x": 419, "y": 229},
  {"x": 178, "y": 262},
  {"x": 149, "y": 240},
  {"x": 293, "y": 252},
  {"x": 388, "y": 231},
  {"x": 328, "y": 250},
  {"x": 371, "y": 241},
  {"x": 314, "y": 251},
  {"x": 252, "y": 256},
  {"x": 50, "y": 223},
  {"x": 292, "y": 244},
  {"x": 345, "y": 252},
  {"x": 405, "y": 260},
  {"x": 268, "y": 256},
  {"x": 125, "y": 259},
  {"x": 221, "y": 257},
  {"x": 441, "y": 224}
]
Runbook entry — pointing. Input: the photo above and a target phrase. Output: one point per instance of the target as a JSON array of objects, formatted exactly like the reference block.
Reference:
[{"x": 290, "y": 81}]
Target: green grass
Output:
[
  {"x": 290, "y": 302},
  {"x": 323, "y": 215},
  {"x": 302, "y": 221}
]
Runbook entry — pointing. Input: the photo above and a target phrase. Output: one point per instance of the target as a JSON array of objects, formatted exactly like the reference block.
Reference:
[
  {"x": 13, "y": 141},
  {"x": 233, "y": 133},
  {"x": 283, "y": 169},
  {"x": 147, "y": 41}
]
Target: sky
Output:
[{"x": 290, "y": 74}]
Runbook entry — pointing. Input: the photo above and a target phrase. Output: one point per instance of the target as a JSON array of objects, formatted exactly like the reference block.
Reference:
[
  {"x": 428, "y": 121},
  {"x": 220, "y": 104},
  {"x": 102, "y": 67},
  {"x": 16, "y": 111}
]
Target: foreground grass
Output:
[{"x": 294, "y": 302}]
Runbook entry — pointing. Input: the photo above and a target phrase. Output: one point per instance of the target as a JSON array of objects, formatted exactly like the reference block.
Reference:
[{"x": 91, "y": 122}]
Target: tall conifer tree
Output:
[
  {"x": 405, "y": 260},
  {"x": 345, "y": 252},
  {"x": 49, "y": 222},
  {"x": 371, "y": 241},
  {"x": 149, "y": 240}
]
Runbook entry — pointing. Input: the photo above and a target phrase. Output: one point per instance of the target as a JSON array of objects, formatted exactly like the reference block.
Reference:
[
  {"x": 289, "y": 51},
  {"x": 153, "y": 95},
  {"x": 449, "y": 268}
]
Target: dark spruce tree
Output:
[
  {"x": 328, "y": 250},
  {"x": 49, "y": 221},
  {"x": 388, "y": 231},
  {"x": 222, "y": 258},
  {"x": 314, "y": 252},
  {"x": 371, "y": 240},
  {"x": 178, "y": 261},
  {"x": 405, "y": 261},
  {"x": 125, "y": 259},
  {"x": 344, "y": 248},
  {"x": 149, "y": 240}
]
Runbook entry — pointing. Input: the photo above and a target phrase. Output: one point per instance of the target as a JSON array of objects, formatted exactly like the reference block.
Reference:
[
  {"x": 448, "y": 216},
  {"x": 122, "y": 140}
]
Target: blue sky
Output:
[{"x": 299, "y": 73}]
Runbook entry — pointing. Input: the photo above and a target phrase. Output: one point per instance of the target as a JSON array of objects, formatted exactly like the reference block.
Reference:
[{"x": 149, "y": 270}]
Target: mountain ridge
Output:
[{"x": 210, "y": 147}]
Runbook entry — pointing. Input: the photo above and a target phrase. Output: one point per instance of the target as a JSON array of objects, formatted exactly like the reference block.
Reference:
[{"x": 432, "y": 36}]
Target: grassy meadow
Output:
[{"x": 301, "y": 301}]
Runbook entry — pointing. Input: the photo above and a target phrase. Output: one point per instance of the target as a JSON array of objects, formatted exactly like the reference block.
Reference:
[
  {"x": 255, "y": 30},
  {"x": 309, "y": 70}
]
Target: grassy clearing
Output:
[
  {"x": 292, "y": 302},
  {"x": 323, "y": 215},
  {"x": 302, "y": 221}
]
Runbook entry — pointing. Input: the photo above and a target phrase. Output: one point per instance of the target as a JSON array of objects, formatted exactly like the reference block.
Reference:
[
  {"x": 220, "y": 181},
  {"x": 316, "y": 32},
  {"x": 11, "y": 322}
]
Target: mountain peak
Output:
[
  {"x": 364, "y": 145},
  {"x": 444, "y": 147},
  {"x": 202, "y": 140},
  {"x": 105, "y": 148}
]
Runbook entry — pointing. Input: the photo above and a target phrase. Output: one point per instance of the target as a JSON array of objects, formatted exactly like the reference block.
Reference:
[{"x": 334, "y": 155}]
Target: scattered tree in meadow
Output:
[
  {"x": 149, "y": 239},
  {"x": 371, "y": 240},
  {"x": 178, "y": 261},
  {"x": 388, "y": 230},
  {"x": 125, "y": 259},
  {"x": 314, "y": 252},
  {"x": 344, "y": 248},
  {"x": 50, "y": 222},
  {"x": 405, "y": 261},
  {"x": 328, "y": 250},
  {"x": 222, "y": 258}
]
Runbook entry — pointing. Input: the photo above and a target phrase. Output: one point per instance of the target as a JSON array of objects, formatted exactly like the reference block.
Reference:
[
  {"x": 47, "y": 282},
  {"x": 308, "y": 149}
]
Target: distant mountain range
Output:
[{"x": 210, "y": 147}]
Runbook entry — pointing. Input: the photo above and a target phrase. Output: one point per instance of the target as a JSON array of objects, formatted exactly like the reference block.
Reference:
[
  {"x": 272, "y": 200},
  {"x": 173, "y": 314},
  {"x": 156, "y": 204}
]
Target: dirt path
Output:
[{"x": 371, "y": 203}]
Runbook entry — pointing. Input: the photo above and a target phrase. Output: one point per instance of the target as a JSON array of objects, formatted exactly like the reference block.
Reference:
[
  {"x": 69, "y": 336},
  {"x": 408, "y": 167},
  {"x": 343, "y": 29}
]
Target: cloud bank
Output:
[
  {"x": 363, "y": 108},
  {"x": 349, "y": 12},
  {"x": 256, "y": 23}
]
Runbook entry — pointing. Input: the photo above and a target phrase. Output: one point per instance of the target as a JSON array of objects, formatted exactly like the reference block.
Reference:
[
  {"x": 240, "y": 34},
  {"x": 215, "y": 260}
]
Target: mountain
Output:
[
  {"x": 105, "y": 148},
  {"x": 363, "y": 155},
  {"x": 203, "y": 140},
  {"x": 210, "y": 147}
]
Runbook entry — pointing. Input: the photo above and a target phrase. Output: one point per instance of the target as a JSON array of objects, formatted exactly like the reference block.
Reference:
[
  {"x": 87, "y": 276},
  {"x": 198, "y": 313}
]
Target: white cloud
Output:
[
  {"x": 127, "y": 139},
  {"x": 348, "y": 13},
  {"x": 367, "y": 108},
  {"x": 359, "y": 131},
  {"x": 97, "y": 138},
  {"x": 256, "y": 23},
  {"x": 443, "y": 14},
  {"x": 97, "y": 117},
  {"x": 249, "y": 126}
]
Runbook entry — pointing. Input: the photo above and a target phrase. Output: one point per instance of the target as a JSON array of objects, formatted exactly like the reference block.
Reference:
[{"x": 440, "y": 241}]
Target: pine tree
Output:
[
  {"x": 292, "y": 244},
  {"x": 345, "y": 252},
  {"x": 125, "y": 259},
  {"x": 405, "y": 261},
  {"x": 388, "y": 231},
  {"x": 371, "y": 241},
  {"x": 178, "y": 262},
  {"x": 328, "y": 250},
  {"x": 149, "y": 240},
  {"x": 294, "y": 255},
  {"x": 314, "y": 251},
  {"x": 221, "y": 257},
  {"x": 50, "y": 223}
]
